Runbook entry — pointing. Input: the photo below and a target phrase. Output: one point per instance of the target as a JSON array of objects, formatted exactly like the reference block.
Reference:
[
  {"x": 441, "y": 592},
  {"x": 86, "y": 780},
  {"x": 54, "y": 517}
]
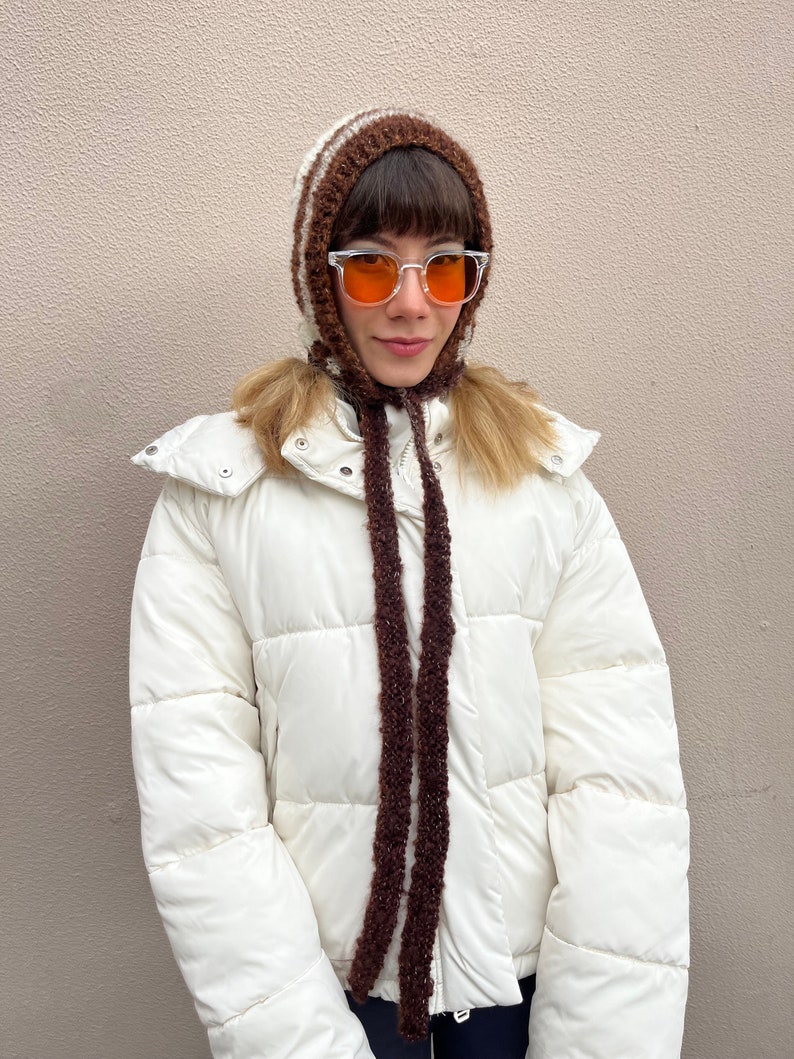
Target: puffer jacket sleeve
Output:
[
  {"x": 237, "y": 914},
  {"x": 612, "y": 978}
]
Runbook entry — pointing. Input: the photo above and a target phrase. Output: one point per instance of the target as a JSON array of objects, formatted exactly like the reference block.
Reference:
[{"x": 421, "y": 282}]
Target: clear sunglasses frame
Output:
[{"x": 337, "y": 259}]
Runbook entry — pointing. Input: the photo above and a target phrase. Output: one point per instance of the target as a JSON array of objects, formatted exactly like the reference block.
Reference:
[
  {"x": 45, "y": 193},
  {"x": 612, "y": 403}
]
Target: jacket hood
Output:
[{"x": 217, "y": 455}]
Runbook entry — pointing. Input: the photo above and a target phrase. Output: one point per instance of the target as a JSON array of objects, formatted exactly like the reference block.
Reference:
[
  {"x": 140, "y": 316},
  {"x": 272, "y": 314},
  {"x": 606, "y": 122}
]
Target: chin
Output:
[
  {"x": 400, "y": 379},
  {"x": 398, "y": 373}
]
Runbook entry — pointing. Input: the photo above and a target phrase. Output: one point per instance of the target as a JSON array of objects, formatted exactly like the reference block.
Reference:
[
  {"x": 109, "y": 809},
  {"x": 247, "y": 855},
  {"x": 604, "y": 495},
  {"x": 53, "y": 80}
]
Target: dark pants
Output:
[{"x": 488, "y": 1033}]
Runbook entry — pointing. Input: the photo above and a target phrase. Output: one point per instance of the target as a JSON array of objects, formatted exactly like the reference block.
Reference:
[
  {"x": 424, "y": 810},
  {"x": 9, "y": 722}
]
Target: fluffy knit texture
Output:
[
  {"x": 413, "y": 719},
  {"x": 323, "y": 184}
]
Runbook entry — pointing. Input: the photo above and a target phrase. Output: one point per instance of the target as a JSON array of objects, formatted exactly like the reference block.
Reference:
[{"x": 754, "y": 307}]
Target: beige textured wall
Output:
[{"x": 639, "y": 160}]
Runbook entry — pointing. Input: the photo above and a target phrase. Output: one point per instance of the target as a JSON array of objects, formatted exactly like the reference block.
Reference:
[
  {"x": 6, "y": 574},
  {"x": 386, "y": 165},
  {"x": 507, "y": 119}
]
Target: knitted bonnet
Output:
[{"x": 413, "y": 716}]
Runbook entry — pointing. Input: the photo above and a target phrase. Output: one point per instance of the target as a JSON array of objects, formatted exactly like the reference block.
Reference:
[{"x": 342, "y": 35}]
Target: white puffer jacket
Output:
[{"x": 254, "y": 684}]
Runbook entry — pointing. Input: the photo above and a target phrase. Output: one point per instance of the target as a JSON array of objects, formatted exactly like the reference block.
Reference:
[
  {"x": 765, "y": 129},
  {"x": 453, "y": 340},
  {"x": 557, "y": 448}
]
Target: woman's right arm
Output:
[{"x": 237, "y": 914}]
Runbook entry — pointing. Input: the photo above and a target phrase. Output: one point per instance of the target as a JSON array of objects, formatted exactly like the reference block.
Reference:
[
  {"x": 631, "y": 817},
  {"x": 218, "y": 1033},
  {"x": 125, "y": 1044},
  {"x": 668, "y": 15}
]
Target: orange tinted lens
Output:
[
  {"x": 451, "y": 277},
  {"x": 370, "y": 278}
]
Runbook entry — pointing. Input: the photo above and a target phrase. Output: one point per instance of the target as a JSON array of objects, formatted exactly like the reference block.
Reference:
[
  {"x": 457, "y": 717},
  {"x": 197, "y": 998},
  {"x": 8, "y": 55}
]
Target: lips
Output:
[{"x": 405, "y": 347}]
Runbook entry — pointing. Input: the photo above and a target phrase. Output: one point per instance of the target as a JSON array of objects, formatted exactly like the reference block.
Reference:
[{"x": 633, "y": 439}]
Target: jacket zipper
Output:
[{"x": 402, "y": 466}]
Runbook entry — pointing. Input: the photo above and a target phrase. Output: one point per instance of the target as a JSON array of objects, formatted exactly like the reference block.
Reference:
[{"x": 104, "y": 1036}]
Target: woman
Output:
[{"x": 401, "y": 720}]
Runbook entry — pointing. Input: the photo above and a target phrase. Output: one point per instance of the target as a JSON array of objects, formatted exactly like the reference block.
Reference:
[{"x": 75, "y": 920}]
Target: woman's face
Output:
[{"x": 398, "y": 342}]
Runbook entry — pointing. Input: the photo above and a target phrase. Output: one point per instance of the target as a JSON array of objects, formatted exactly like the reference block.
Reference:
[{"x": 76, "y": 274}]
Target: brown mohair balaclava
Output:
[{"x": 324, "y": 181}]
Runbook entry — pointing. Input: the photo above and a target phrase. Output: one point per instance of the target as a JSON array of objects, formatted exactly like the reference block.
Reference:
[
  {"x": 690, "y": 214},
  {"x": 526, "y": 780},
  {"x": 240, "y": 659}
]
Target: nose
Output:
[{"x": 410, "y": 300}]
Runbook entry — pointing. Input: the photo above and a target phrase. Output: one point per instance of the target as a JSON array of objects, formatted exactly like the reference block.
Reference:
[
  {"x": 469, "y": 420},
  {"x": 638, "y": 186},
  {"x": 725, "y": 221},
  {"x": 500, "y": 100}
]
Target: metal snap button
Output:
[
  {"x": 556, "y": 459},
  {"x": 301, "y": 443},
  {"x": 438, "y": 439},
  {"x": 346, "y": 471},
  {"x": 150, "y": 450},
  {"x": 436, "y": 465},
  {"x": 225, "y": 472}
]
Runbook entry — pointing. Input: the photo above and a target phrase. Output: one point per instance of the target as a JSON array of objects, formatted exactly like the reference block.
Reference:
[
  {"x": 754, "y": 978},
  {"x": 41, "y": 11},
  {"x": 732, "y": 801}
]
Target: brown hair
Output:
[{"x": 408, "y": 190}]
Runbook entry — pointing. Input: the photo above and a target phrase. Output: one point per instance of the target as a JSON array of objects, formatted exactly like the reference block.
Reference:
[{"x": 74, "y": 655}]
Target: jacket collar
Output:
[{"x": 217, "y": 455}]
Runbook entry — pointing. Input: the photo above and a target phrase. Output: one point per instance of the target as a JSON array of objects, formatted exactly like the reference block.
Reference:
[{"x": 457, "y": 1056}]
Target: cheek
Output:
[
  {"x": 450, "y": 319},
  {"x": 351, "y": 316}
]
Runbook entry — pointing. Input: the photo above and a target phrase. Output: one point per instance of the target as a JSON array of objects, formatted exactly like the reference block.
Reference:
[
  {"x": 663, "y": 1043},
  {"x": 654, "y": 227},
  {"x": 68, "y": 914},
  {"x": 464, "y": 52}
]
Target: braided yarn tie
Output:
[{"x": 394, "y": 808}]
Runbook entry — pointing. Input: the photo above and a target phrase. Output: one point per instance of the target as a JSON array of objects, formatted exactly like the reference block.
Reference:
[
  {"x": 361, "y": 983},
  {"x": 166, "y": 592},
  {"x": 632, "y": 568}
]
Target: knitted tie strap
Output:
[
  {"x": 394, "y": 804},
  {"x": 394, "y": 809},
  {"x": 432, "y": 701}
]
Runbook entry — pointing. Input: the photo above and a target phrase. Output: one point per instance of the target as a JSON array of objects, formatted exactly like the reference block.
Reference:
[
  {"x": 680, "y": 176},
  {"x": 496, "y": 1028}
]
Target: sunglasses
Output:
[{"x": 372, "y": 277}]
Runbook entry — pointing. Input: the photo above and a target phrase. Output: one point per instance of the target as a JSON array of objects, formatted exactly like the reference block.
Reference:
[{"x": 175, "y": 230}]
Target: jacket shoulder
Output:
[{"x": 211, "y": 452}]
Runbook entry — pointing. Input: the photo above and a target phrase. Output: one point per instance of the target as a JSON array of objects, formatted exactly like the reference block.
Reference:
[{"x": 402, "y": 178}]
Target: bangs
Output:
[{"x": 407, "y": 191}]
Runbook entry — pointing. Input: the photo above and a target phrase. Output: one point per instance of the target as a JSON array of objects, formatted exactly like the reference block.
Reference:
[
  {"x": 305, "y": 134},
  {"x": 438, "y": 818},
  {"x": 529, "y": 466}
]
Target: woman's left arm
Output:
[{"x": 612, "y": 975}]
